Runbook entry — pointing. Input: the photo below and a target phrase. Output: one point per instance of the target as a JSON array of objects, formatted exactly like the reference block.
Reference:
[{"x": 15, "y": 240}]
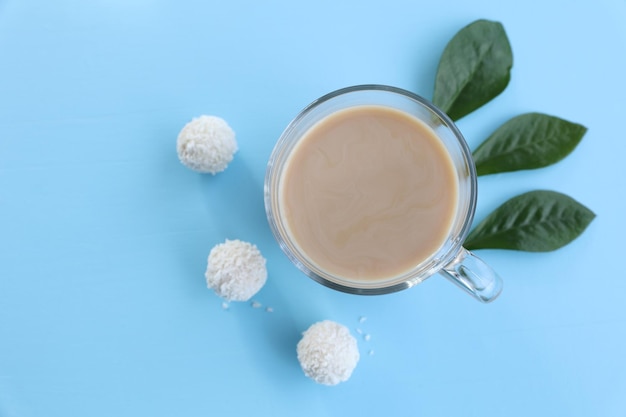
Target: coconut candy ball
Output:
[
  {"x": 236, "y": 270},
  {"x": 206, "y": 144},
  {"x": 328, "y": 353}
]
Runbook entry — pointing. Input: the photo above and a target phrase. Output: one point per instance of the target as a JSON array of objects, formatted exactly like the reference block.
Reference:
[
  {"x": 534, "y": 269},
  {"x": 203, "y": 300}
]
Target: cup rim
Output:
[{"x": 410, "y": 278}]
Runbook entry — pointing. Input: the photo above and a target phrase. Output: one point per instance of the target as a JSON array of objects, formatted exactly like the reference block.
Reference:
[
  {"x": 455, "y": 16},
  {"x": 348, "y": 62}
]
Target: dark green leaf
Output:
[
  {"x": 529, "y": 141},
  {"x": 537, "y": 221},
  {"x": 474, "y": 68}
]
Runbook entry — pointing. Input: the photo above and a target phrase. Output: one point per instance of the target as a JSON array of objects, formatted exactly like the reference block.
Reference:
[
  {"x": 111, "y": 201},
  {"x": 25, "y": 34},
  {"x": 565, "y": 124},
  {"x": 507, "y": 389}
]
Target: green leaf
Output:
[
  {"x": 529, "y": 141},
  {"x": 474, "y": 68},
  {"x": 537, "y": 221}
]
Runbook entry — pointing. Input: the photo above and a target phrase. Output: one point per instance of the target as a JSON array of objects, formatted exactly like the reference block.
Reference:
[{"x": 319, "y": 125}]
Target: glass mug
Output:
[{"x": 451, "y": 260}]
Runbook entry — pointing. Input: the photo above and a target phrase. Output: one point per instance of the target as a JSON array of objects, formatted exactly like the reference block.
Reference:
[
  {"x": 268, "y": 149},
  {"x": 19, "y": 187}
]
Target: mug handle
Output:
[{"x": 474, "y": 276}]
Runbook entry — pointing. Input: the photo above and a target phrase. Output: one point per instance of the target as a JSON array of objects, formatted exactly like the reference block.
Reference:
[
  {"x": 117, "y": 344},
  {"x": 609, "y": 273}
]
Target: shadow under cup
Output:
[{"x": 451, "y": 260}]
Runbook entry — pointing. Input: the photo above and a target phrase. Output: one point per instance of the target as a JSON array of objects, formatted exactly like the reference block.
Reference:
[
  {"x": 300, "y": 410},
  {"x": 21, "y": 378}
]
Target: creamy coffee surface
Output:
[{"x": 369, "y": 193}]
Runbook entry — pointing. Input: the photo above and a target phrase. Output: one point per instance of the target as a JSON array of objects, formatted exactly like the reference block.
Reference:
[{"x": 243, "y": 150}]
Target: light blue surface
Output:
[{"x": 104, "y": 234}]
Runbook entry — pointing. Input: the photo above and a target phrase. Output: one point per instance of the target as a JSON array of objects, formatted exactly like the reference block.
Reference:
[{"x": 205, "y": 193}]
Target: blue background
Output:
[{"x": 104, "y": 235}]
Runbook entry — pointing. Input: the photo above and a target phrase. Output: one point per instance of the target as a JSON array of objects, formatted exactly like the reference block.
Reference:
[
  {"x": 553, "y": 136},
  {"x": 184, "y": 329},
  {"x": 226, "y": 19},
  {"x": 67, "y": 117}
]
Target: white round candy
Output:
[
  {"x": 328, "y": 353},
  {"x": 206, "y": 144},
  {"x": 236, "y": 270}
]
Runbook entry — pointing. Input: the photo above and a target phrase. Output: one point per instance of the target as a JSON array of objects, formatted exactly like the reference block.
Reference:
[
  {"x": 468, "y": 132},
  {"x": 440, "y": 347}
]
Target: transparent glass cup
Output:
[{"x": 451, "y": 260}]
